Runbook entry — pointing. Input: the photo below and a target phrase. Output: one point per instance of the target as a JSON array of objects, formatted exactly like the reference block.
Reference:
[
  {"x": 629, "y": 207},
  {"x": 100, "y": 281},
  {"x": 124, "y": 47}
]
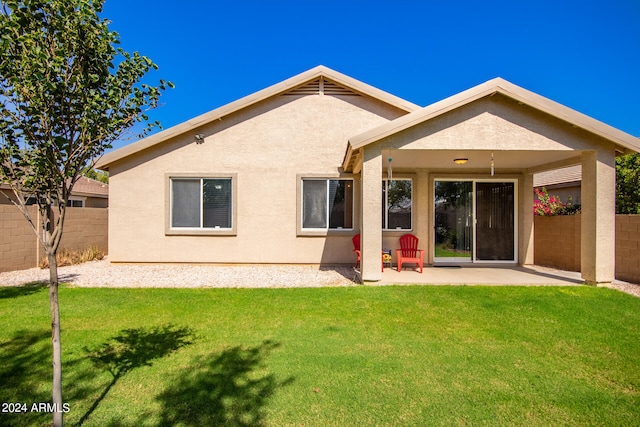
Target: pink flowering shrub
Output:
[{"x": 547, "y": 205}]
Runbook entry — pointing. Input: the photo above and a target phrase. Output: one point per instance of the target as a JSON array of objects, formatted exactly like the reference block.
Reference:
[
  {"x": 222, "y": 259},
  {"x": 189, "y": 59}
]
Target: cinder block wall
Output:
[
  {"x": 19, "y": 246},
  {"x": 557, "y": 244},
  {"x": 628, "y": 248},
  {"x": 85, "y": 227}
]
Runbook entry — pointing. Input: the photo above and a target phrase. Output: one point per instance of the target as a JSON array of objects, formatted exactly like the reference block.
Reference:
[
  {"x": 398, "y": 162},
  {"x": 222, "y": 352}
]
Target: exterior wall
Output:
[
  {"x": 524, "y": 140},
  {"x": 493, "y": 124},
  {"x": 598, "y": 215},
  {"x": 557, "y": 241},
  {"x": 423, "y": 206},
  {"x": 628, "y": 248},
  {"x": 18, "y": 243},
  {"x": 268, "y": 147},
  {"x": 557, "y": 244},
  {"x": 371, "y": 215},
  {"x": 84, "y": 228},
  {"x": 526, "y": 226},
  {"x": 421, "y": 211},
  {"x": 20, "y": 249}
]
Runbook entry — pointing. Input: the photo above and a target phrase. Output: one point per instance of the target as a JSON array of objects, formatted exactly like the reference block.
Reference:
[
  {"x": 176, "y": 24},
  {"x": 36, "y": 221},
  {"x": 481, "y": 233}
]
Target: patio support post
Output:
[
  {"x": 526, "y": 250},
  {"x": 598, "y": 216},
  {"x": 371, "y": 232}
]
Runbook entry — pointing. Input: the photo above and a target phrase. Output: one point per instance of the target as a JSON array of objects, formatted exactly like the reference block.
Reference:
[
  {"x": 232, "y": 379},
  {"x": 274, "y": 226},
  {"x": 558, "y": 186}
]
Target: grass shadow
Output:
[
  {"x": 23, "y": 290},
  {"x": 134, "y": 348},
  {"x": 25, "y": 361},
  {"x": 230, "y": 389}
]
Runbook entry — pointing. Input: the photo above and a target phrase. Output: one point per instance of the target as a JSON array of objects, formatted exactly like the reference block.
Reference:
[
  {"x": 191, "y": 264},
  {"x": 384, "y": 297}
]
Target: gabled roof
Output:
[
  {"x": 505, "y": 88},
  {"x": 86, "y": 187},
  {"x": 90, "y": 187},
  {"x": 571, "y": 174},
  {"x": 297, "y": 82}
]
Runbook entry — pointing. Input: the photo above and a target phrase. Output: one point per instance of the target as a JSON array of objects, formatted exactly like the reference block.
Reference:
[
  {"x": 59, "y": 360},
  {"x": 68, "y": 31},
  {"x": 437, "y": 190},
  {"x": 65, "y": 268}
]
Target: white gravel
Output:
[
  {"x": 628, "y": 288},
  {"x": 103, "y": 274}
]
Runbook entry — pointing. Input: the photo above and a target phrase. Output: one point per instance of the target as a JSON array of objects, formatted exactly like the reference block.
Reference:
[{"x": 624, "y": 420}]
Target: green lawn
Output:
[
  {"x": 361, "y": 356},
  {"x": 441, "y": 251}
]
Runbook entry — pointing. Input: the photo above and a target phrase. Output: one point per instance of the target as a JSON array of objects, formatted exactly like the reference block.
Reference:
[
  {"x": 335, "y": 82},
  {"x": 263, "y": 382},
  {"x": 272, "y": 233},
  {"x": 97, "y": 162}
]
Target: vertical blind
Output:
[{"x": 216, "y": 203}]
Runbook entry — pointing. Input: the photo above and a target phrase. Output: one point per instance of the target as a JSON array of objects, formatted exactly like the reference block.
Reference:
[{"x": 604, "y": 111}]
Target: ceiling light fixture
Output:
[{"x": 460, "y": 161}]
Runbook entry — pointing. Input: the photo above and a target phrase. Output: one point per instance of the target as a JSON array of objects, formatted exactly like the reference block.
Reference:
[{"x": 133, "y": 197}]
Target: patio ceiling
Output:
[{"x": 505, "y": 161}]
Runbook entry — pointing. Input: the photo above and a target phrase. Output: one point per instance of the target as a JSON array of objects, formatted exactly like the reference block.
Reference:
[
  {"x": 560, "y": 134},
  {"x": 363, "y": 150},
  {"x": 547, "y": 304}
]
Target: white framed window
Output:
[
  {"x": 327, "y": 204},
  {"x": 397, "y": 204},
  {"x": 201, "y": 204}
]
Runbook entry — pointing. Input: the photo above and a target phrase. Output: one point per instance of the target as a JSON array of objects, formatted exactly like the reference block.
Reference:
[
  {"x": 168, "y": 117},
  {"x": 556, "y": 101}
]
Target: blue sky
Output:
[{"x": 583, "y": 54}]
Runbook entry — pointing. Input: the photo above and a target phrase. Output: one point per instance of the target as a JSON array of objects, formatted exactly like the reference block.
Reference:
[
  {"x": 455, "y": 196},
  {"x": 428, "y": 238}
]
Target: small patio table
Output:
[{"x": 386, "y": 257}]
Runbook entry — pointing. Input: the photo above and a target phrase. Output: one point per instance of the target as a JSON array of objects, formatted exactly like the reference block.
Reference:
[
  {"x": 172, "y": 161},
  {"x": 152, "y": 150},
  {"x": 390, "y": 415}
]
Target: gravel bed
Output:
[
  {"x": 103, "y": 274},
  {"x": 625, "y": 287}
]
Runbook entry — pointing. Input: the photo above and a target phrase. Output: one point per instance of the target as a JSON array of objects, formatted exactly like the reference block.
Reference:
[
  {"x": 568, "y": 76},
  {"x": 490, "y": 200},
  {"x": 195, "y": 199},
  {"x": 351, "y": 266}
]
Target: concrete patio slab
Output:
[{"x": 482, "y": 275}]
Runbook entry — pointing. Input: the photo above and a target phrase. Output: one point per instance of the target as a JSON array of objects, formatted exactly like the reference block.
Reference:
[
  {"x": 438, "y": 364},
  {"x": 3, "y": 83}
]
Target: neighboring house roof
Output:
[
  {"x": 299, "y": 84},
  {"x": 625, "y": 142},
  {"x": 572, "y": 174},
  {"x": 84, "y": 187},
  {"x": 90, "y": 188},
  {"x": 569, "y": 175}
]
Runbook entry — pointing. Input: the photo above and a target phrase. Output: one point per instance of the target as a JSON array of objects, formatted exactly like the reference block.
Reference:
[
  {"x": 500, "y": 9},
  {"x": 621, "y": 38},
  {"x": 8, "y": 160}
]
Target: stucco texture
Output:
[{"x": 268, "y": 146}]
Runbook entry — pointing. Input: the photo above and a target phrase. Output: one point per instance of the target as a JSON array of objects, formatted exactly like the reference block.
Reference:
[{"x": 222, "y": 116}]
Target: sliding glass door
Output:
[
  {"x": 453, "y": 221},
  {"x": 495, "y": 221},
  {"x": 474, "y": 221}
]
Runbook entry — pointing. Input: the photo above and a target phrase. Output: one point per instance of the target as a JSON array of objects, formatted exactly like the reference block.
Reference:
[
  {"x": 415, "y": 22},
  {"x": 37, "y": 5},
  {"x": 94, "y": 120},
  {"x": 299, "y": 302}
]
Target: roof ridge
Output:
[
  {"x": 251, "y": 99},
  {"x": 510, "y": 90}
]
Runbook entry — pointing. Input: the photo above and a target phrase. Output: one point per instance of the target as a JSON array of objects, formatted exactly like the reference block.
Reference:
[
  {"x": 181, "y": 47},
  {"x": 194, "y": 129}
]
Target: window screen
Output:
[
  {"x": 185, "y": 203},
  {"x": 201, "y": 203},
  {"x": 314, "y": 203},
  {"x": 327, "y": 203},
  {"x": 396, "y": 201}
]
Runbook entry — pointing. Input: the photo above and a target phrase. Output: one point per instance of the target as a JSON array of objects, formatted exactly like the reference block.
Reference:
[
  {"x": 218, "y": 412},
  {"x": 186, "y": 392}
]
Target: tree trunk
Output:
[{"x": 55, "y": 340}]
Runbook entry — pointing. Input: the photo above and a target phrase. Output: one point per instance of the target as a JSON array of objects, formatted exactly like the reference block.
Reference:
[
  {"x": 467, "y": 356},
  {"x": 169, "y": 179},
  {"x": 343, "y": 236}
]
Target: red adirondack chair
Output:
[
  {"x": 356, "y": 249},
  {"x": 409, "y": 252}
]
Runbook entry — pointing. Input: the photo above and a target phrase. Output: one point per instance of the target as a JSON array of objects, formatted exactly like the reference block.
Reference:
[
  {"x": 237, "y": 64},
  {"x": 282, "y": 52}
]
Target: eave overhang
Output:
[
  {"x": 247, "y": 101},
  {"x": 624, "y": 142}
]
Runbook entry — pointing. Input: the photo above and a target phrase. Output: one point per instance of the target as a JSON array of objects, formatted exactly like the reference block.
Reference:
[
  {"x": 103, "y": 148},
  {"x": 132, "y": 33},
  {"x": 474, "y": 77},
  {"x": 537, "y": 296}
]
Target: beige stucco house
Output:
[{"x": 291, "y": 173}]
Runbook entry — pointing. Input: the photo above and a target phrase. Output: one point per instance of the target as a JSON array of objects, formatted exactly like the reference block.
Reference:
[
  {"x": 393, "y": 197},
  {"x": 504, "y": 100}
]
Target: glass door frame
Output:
[
  {"x": 452, "y": 259},
  {"x": 473, "y": 259}
]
